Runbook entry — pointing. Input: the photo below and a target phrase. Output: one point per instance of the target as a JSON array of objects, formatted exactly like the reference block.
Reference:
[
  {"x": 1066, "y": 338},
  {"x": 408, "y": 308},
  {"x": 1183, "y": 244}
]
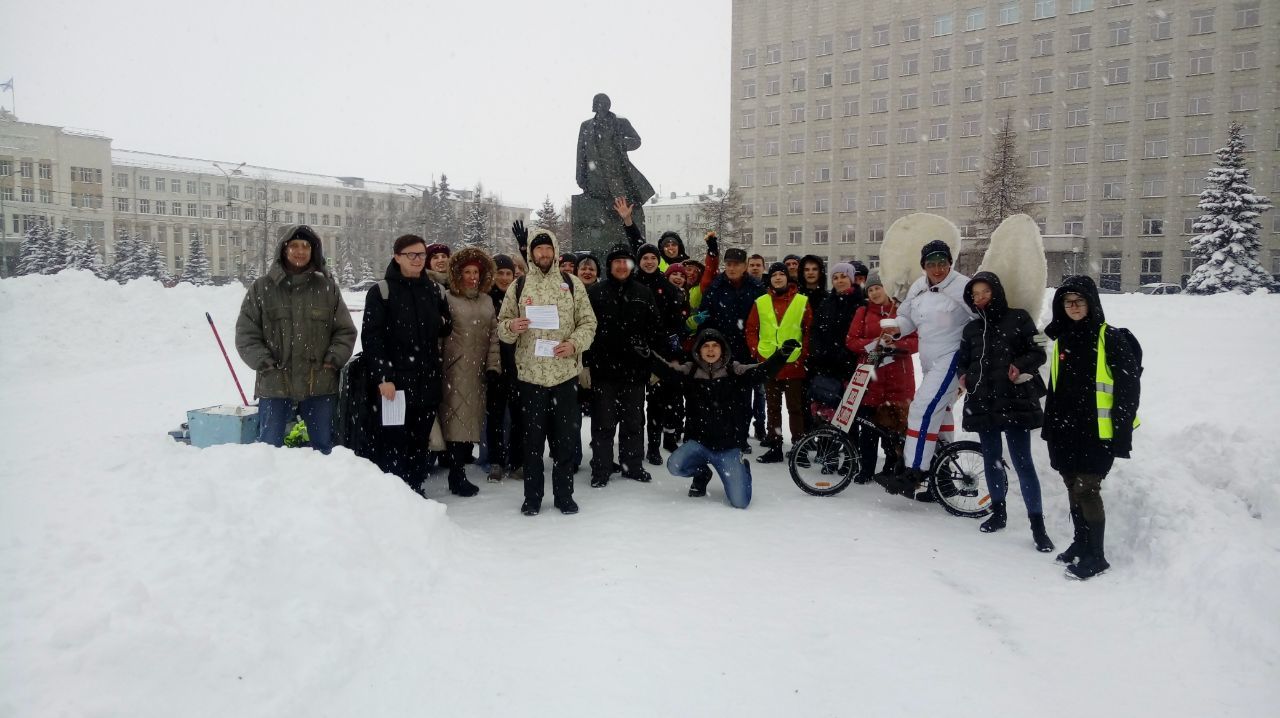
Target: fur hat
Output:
[{"x": 434, "y": 249}]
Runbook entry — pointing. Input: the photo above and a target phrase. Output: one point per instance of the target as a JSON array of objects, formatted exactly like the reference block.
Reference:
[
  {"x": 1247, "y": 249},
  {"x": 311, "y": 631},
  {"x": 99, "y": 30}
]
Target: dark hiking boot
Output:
[
  {"x": 1093, "y": 561},
  {"x": 904, "y": 483},
  {"x": 653, "y": 456},
  {"x": 773, "y": 456},
  {"x": 924, "y": 497},
  {"x": 495, "y": 474},
  {"x": 515, "y": 473},
  {"x": 698, "y": 487},
  {"x": 746, "y": 448},
  {"x": 599, "y": 482},
  {"x": 1079, "y": 542},
  {"x": 530, "y": 507},
  {"x": 1038, "y": 534},
  {"x": 638, "y": 474},
  {"x": 999, "y": 519},
  {"x": 462, "y": 487},
  {"x": 759, "y": 432},
  {"x": 567, "y": 505}
]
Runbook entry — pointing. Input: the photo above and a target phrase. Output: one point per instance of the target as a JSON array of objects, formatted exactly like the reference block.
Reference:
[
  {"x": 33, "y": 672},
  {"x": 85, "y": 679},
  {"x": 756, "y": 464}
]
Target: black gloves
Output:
[
  {"x": 520, "y": 233},
  {"x": 642, "y": 350},
  {"x": 713, "y": 244},
  {"x": 789, "y": 346}
]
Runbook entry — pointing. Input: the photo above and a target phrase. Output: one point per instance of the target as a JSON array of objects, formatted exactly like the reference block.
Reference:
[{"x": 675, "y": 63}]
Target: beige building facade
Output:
[
  {"x": 76, "y": 179},
  {"x": 847, "y": 115}
]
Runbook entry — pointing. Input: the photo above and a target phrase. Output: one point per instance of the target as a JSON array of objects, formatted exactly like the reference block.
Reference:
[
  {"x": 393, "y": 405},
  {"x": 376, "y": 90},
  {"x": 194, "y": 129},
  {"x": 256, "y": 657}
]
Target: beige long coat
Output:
[{"x": 470, "y": 350}]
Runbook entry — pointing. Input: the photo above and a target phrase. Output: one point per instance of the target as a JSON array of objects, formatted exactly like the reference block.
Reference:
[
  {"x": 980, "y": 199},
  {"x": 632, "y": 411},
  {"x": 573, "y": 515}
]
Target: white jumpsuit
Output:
[{"x": 938, "y": 315}]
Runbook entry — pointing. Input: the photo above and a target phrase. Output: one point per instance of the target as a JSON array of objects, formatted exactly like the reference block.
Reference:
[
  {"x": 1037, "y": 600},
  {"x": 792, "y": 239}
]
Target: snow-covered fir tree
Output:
[
  {"x": 151, "y": 262},
  {"x": 127, "y": 264},
  {"x": 61, "y": 250},
  {"x": 1227, "y": 246},
  {"x": 475, "y": 230},
  {"x": 440, "y": 224},
  {"x": 345, "y": 266},
  {"x": 196, "y": 269},
  {"x": 366, "y": 271},
  {"x": 35, "y": 253},
  {"x": 83, "y": 254}
]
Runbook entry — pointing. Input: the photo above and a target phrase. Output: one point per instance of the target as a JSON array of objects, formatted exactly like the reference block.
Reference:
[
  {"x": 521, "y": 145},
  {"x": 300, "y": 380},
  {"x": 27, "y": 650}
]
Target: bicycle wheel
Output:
[
  {"x": 958, "y": 480},
  {"x": 824, "y": 462}
]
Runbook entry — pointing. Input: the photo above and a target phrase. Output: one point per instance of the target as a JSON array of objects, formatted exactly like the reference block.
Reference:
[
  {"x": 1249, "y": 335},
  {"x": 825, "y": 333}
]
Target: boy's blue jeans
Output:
[{"x": 735, "y": 472}]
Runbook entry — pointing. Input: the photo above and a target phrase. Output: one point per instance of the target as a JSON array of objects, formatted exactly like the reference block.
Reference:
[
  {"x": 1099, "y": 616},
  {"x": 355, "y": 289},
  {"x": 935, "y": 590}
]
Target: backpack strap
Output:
[
  {"x": 384, "y": 288},
  {"x": 564, "y": 276}
]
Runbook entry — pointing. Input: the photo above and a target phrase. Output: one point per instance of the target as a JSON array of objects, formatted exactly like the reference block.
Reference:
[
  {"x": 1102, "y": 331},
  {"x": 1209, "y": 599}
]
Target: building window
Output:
[
  {"x": 1006, "y": 86},
  {"x": 880, "y": 69},
  {"x": 938, "y": 128},
  {"x": 794, "y": 235},
  {"x": 849, "y": 203},
  {"x": 941, "y": 95},
  {"x": 772, "y": 86},
  {"x": 878, "y": 168},
  {"x": 1150, "y": 265},
  {"x": 1243, "y": 57},
  {"x": 1039, "y": 193},
  {"x": 1042, "y": 45},
  {"x": 823, "y": 109},
  {"x": 853, "y": 40},
  {"x": 1157, "y": 108},
  {"x": 1198, "y": 146},
  {"x": 1078, "y": 77},
  {"x": 1077, "y": 115},
  {"x": 1073, "y": 225},
  {"x": 876, "y": 200},
  {"x": 797, "y": 112},
  {"x": 975, "y": 19},
  {"x": 1152, "y": 227},
  {"x": 1201, "y": 22},
  {"x": 748, "y": 149},
  {"x": 972, "y": 91},
  {"x": 1007, "y": 50},
  {"x": 162, "y": 207},
  {"x": 973, "y": 55},
  {"x": 1155, "y": 148},
  {"x": 748, "y": 89},
  {"x": 1113, "y": 188},
  {"x": 879, "y": 102},
  {"x": 1113, "y": 150},
  {"x": 969, "y": 125},
  {"x": 1080, "y": 39},
  {"x": 936, "y": 199},
  {"x": 1077, "y": 153},
  {"x": 876, "y": 235},
  {"x": 1081, "y": 6},
  {"x": 822, "y": 174},
  {"x": 1117, "y": 111},
  {"x": 1008, "y": 12},
  {"x": 848, "y": 235},
  {"x": 942, "y": 59},
  {"x": 911, "y": 30},
  {"x": 910, "y": 65},
  {"x": 1158, "y": 67},
  {"x": 879, "y": 35},
  {"x": 1042, "y": 9},
  {"x": 1200, "y": 62},
  {"x": 943, "y": 24},
  {"x": 749, "y": 58},
  {"x": 906, "y": 199},
  {"x": 1117, "y": 72},
  {"x": 797, "y": 81},
  {"x": 910, "y": 98},
  {"x": 773, "y": 54},
  {"x": 1118, "y": 33},
  {"x": 1109, "y": 275},
  {"x": 1161, "y": 26},
  {"x": 825, "y": 77},
  {"x": 1041, "y": 82},
  {"x": 824, "y": 45},
  {"x": 1112, "y": 225},
  {"x": 851, "y": 137},
  {"x": 1244, "y": 99},
  {"x": 144, "y": 206},
  {"x": 770, "y": 236},
  {"x": 1247, "y": 15},
  {"x": 773, "y": 115},
  {"x": 820, "y": 235},
  {"x": 1039, "y": 157},
  {"x": 849, "y": 171},
  {"x": 937, "y": 165},
  {"x": 970, "y": 163},
  {"x": 852, "y": 73},
  {"x": 1154, "y": 186},
  {"x": 906, "y": 167},
  {"x": 968, "y": 198},
  {"x": 175, "y": 186}
]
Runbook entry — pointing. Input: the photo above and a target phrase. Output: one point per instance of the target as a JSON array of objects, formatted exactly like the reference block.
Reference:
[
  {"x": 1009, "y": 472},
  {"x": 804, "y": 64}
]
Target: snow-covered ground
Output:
[{"x": 139, "y": 577}]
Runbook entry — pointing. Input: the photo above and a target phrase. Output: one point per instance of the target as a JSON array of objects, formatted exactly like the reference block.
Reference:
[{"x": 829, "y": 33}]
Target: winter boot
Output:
[
  {"x": 759, "y": 431},
  {"x": 903, "y": 483},
  {"x": 515, "y": 473},
  {"x": 1043, "y": 544},
  {"x": 530, "y": 507},
  {"x": 458, "y": 484},
  {"x": 999, "y": 519},
  {"x": 567, "y": 505},
  {"x": 495, "y": 474},
  {"x": 1079, "y": 542},
  {"x": 1092, "y": 562},
  {"x": 701, "y": 478},
  {"x": 774, "y": 455},
  {"x": 599, "y": 482},
  {"x": 652, "y": 456},
  {"x": 638, "y": 474},
  {"x": 670, "y": 441}
]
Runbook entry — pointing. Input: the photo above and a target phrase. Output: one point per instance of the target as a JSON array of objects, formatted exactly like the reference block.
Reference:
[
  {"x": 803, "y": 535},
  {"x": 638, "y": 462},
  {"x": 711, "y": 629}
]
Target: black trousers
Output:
[
  {"x": 614, "y": 403},
  {"x": 665, "y": 410},
  {"x": 402, "y": 450},
  {"x": 506, "y": 449},
  {"x": 549, "y": 412}
]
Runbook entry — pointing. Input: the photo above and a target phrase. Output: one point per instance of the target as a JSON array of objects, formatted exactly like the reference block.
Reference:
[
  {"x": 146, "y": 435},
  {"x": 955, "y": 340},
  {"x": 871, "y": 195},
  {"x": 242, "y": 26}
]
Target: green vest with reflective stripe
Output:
[
  {"x": 1103, "y": 383},
  {"x": 772, "y": 335}
]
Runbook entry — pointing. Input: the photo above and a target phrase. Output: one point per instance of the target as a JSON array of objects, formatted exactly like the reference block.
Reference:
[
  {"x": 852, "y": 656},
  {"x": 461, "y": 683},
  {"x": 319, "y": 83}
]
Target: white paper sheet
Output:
[
  {"x": 542, "y": 316},
  {"x": 393, "y": 409},
  {"x": 545, "y": 348}
]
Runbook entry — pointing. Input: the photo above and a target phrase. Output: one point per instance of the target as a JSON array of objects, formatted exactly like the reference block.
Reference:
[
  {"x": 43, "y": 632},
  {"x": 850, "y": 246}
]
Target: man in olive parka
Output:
[{"x": 295, "y": 331}]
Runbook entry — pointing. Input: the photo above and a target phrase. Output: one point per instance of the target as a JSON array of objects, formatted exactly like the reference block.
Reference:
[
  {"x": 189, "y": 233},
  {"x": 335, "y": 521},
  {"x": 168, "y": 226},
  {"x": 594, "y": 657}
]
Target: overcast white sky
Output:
[{"x": 489, "y": 91}]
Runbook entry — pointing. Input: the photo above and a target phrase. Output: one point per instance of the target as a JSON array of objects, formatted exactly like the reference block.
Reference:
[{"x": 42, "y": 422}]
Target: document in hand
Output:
[
  {"x": 393, "y": 409},
  {"x": 542, "y": 316},
  {"x": 545, "y": 348}
]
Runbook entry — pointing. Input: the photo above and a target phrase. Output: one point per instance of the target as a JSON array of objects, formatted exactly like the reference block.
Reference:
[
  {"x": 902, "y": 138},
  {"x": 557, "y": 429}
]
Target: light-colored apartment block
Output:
[{"x": 848, "y": 114}]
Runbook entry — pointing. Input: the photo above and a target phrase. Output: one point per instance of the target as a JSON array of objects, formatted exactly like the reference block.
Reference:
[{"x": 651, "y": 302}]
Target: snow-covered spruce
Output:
[{"x": 1227, "y": 247}]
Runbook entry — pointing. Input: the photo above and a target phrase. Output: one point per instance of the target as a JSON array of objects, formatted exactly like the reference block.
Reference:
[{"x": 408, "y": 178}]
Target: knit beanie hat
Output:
[
  {"x": 647, "y": 249},
  {"x": 775, "y": 268},
  {"x": 571, "y": 258},
  {"x": 540, "y": 238},
  {"x": 873, "y": 281},
  {"x": 502, "y": 261},
  {"x": 675, "y": 268},
  {"x": 844, "y": 268}
]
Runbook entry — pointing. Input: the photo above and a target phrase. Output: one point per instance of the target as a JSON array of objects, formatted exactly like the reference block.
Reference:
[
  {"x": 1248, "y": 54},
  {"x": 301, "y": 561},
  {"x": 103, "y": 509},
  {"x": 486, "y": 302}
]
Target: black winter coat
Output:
[
  {"x": 626, "y": 318},
  {"x": 402, "y": 334},
  {"x": 717, "y": 392},
  {"x": 673, "y": 308},
  {"x": 507, "y": 352},
  {"x": 1070, "y": 412},
  {"x": 728, "y": 307},
  {"x": 1000, "y": 336},
  {"x": 828, "y": 354}
]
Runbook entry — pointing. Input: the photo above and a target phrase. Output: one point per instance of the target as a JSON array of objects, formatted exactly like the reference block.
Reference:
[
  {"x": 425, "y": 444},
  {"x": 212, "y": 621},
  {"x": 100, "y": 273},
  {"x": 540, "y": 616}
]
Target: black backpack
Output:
[
  {"x": 356, "y": 419},
  {"x": 1134, "y": 346}
]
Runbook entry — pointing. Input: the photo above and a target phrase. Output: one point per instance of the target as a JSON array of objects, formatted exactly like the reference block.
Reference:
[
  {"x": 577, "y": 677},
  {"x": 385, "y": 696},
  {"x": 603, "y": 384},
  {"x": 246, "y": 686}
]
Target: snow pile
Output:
[{"x": 145, "y": 578}]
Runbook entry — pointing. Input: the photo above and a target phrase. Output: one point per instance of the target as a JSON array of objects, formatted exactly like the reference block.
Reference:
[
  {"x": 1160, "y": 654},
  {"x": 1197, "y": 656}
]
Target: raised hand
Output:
[
  {"x": 623, "y": 208},
  {"x": 520, "y": 233}
]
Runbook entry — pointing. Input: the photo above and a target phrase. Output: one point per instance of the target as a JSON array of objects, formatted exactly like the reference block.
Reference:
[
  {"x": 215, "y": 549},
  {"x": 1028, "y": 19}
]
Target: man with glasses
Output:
[
  {"x": 934, "y": 308},
  {"x": 294, "y": 329}
]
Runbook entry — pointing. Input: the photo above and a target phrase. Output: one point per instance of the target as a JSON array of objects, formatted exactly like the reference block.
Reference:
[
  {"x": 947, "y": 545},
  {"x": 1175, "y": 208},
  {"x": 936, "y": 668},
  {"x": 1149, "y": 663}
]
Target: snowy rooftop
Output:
[{"x": 174, "y": 163}]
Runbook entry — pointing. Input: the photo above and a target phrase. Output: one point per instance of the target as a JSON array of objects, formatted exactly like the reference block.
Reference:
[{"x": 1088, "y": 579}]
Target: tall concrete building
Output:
[
  {"x": 75, "y": 178},
  {"x": 849, "y": 114}
]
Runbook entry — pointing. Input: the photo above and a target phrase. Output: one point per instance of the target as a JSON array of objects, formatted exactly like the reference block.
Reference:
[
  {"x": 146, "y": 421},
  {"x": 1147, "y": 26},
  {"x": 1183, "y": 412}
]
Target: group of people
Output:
[{"x": 665, "y": 352}]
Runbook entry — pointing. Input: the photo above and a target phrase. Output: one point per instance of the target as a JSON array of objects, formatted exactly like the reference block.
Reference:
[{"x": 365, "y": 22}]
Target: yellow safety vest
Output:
[
  {"x": 772, "y": 335},
  {"x": 1103, "y": 383}
]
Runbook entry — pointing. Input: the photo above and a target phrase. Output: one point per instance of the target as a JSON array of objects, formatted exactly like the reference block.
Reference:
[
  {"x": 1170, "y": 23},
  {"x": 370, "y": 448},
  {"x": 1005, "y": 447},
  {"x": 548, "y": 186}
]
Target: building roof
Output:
[{"x": 174, "y": 163}]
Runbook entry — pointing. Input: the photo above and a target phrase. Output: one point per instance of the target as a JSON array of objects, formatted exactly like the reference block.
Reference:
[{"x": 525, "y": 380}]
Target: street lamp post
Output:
[{"x": 226, "y": 212}]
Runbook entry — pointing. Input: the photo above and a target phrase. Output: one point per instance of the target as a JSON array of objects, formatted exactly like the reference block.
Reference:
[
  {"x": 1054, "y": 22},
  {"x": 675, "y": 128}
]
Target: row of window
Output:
[
  {"x": 250, "y": 193},
  {"x": 1119, "y": 32},
  {"x": 1076, "y": 152},
  {"x": 1158, "y": 67},
  {"x": 27, "y": 169}
]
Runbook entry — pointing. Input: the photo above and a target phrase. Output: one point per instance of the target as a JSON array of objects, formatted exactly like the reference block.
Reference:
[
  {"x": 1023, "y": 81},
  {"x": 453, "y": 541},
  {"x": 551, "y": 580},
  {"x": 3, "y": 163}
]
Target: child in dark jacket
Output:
[{"x": 714, "y": 388}]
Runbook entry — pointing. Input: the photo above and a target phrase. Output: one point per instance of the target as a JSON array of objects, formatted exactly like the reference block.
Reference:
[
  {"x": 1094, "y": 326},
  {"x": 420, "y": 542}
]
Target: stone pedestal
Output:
[{"x": 597, "y": 228}]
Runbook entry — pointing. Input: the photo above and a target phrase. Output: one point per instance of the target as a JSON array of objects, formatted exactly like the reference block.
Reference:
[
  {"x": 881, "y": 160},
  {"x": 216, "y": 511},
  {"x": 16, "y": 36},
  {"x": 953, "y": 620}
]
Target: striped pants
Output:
[{"x": 930, "y": 412}]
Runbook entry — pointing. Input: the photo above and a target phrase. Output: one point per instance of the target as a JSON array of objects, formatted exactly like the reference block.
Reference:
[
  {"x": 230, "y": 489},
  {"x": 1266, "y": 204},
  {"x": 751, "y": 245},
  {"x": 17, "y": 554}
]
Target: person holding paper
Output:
[
  {"x": 548, "y": 385},
  {"x": 401, "y": 334}
]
